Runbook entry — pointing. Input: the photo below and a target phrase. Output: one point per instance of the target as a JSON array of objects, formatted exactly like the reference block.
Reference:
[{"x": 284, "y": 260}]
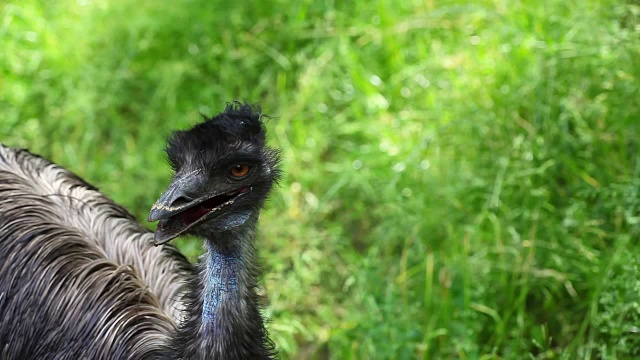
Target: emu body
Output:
[{"x": 80, "y": 278}]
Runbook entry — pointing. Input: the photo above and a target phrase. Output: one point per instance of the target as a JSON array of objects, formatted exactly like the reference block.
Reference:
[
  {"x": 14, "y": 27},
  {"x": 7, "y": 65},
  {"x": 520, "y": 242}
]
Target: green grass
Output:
[{"x": 462, "y": 179}]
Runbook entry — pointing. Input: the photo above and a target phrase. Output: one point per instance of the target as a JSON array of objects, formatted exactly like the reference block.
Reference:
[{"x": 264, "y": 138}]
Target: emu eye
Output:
[{"x": 239, "y": 171}]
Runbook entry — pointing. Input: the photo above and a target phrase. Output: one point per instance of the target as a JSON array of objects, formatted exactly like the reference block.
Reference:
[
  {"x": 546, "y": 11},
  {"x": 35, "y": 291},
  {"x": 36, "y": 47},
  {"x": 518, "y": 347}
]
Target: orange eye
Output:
[{"x": 239, "y": 171}]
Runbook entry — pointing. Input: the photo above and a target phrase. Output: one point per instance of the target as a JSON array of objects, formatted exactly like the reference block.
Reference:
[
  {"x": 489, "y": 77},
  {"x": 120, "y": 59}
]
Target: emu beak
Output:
[
  {"x": 176, "y": 198},
  {"x": 185, "y": 204},
  {"x": 173, "y": 201},
  {"x": 165, "y": 206}
]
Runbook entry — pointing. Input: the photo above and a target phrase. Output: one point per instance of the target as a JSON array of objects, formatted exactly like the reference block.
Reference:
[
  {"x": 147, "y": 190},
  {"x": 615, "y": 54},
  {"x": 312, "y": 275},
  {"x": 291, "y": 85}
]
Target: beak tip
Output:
[
  {"x": 154, "y": 216},
  {"x": 156, "y": 241},
  {"x": 161, "y": 238}
]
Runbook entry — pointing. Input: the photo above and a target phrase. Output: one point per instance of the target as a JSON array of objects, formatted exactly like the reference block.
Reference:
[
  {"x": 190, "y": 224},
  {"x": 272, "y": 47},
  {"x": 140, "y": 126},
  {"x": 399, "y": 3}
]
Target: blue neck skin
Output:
[{"x": 221, "y": 283}]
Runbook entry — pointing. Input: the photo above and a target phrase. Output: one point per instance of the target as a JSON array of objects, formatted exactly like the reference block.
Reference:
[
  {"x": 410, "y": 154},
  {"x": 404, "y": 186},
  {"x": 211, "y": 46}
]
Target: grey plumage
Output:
[
  {"x": 80, "y": 278},
  {"x": 76, "y": 269}
]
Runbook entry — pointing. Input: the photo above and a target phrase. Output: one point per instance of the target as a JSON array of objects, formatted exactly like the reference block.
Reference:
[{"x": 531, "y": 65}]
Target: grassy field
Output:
[{"x": 462, "y": 178}]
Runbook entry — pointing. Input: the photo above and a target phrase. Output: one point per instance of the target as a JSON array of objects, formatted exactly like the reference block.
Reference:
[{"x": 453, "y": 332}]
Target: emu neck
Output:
[
  {"x": 228, "y": 324},
  {"x": 220, "y": 285}
]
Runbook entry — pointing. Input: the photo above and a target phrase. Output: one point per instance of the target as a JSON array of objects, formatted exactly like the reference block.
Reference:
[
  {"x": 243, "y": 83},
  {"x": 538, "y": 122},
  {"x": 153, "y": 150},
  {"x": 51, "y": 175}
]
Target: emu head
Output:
[{"x": 223, "y": 174}]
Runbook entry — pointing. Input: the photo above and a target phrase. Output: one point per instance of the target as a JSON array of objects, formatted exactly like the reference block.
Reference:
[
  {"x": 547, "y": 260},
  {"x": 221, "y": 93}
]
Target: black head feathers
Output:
[
  {"x": 238, "y": 129},
  {"x": 237, "y": 120}
]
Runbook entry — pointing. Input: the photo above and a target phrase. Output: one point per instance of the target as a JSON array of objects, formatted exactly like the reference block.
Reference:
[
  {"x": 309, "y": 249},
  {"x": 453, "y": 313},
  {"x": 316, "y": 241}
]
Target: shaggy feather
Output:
[
  {"x": 61, "y": 292},
  {"x": 39, "y": 189}
]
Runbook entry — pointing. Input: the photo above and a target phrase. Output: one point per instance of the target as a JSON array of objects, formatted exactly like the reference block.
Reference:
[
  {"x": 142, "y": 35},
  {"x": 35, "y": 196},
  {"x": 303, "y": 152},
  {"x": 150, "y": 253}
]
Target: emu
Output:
[{"x": 81, "y": 279}]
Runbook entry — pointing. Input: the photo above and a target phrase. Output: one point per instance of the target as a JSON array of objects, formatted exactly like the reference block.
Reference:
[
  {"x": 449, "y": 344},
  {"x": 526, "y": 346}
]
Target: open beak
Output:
[
  {"x": 173, "y": 201},
  {"x": 178, "y": 209}
]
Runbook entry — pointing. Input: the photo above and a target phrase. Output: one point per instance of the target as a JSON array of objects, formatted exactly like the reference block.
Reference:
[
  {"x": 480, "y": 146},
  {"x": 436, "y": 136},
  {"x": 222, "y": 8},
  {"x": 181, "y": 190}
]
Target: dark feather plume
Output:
[{"x": 238, "y": 123}]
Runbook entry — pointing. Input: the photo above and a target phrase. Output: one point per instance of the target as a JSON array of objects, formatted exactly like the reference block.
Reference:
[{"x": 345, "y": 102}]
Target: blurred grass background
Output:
[{"x": 462, "y": 179}]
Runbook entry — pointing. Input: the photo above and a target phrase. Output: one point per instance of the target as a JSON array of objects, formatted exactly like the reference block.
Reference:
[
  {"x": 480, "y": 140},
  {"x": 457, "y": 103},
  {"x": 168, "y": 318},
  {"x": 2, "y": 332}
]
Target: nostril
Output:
[{"x": 181, "y": 201}]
